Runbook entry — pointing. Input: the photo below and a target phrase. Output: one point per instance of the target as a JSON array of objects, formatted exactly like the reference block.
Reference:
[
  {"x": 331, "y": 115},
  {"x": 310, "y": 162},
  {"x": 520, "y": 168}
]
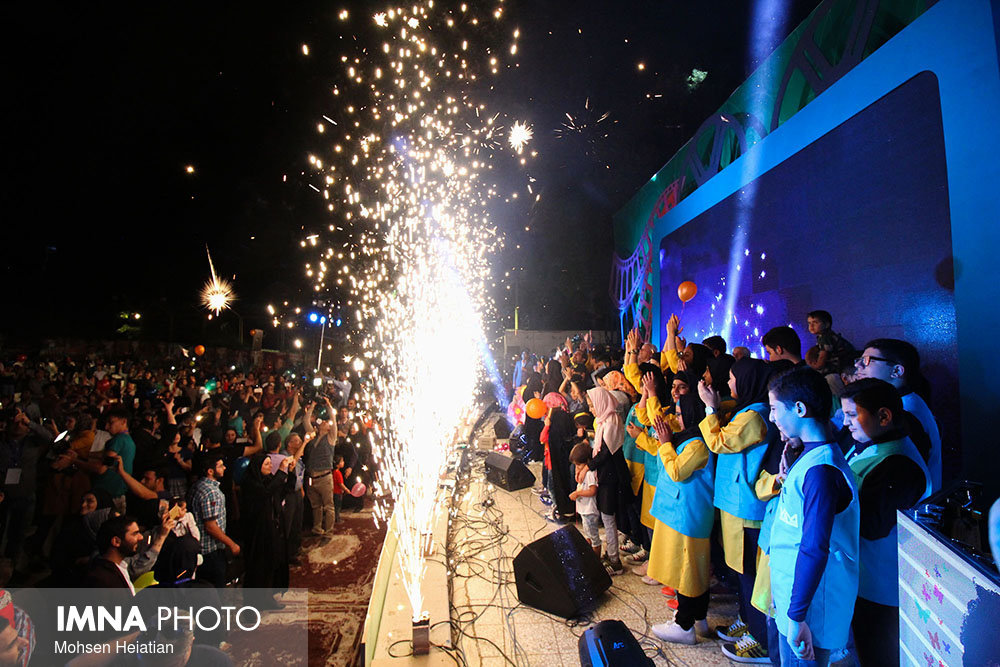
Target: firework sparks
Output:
[
  {"x": 520, "y": 135},
  {"x": 217, "y": 293},
  {"x": 408, "y": 179}
]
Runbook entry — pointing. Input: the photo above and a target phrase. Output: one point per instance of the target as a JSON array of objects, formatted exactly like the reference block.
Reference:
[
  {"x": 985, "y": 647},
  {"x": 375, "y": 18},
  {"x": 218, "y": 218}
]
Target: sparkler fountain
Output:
[{"x": 408, "y": 177}]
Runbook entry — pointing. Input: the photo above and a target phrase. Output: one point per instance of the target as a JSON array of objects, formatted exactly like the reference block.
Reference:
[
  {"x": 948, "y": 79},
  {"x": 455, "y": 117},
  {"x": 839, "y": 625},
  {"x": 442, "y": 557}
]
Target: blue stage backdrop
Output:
[{"x": 856, "y": 223}]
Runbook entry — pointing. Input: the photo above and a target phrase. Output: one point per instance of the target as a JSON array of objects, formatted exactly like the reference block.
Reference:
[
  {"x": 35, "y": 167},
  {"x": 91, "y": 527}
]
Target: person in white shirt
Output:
[{"x": 586, "y": 495}]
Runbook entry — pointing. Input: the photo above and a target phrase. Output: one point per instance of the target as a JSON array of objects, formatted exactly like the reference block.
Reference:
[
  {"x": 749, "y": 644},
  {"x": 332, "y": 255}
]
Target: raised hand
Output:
[
  {"x": 663, "y": 433},
  {"x": 649, "y": 384},
  {"x": 708, "y": 396},
  {"x": 633, "y": 430},
  {"x": 632, "y": 341}
]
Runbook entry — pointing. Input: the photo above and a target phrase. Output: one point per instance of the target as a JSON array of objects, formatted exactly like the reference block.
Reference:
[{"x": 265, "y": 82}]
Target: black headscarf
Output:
[
  {"x": 253, "y": 475},
  {"x": 533, "y": 384},
  {"x": 662, "y": 388},
  {"x": 699, "y": 363},
  {"x": 692, "y": 412},
  {"x": 752, "y": 376},
  {"x": 719, "y": 368},
  {"x": 553, "y": 377}
]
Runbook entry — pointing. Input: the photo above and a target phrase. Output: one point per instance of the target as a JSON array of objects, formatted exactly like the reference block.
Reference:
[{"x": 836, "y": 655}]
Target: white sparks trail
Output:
[
  {"x": 217, "y": 294},
  {"x": 407, "y": 181},
  {"x": 520, "y": 135}
]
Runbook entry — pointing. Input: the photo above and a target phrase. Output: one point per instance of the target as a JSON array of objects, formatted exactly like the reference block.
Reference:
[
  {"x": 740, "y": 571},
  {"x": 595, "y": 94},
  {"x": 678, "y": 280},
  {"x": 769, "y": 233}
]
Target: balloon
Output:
[
  {"x": 240, "y": 466},
  {"x": 536, "y": 408},
  {"x": 199, "y": 350},
  {"x": 358, "y": 490},
  {"x": 686, "y": 291}
]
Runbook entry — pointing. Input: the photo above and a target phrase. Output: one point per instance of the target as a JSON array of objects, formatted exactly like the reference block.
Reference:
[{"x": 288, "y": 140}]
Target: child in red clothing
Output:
[{"x": 338, "y": 488}]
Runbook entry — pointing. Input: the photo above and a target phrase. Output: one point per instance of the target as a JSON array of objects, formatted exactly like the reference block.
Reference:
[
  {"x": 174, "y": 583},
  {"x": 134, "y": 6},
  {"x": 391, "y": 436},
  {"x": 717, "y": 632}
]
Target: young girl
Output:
[
  {"x": 684, "y": 514},
  {"x": 586, "y": 495},
  {"x": 557, "y": 437},
  {"x": 614, "y": 484},
  {"x": 741, "y": 444},
  {"x": 338, "y": 488}
]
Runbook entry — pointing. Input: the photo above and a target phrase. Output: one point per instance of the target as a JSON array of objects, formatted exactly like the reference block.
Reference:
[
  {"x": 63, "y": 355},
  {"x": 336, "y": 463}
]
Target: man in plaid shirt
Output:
[{"x": 208, "y": 504}]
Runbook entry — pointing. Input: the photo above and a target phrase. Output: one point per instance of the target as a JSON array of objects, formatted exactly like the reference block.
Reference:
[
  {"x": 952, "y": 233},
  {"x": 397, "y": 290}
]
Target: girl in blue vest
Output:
[
  {"x": 740, "y": 441},
  {"x": 814, "y": 538},
  {"x": 684, "y": 513},
  {"x": 891, "y": 475}
]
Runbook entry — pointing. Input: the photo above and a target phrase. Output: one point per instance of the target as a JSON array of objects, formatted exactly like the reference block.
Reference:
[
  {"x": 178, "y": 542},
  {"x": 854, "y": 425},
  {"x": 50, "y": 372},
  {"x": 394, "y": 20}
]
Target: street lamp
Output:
[{"x": 316, "y": 318}]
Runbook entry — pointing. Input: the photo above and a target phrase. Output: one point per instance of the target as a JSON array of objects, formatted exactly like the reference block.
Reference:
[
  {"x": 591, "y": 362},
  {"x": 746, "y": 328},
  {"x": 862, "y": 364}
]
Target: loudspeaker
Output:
[
  {"x": 501, "y": 428},
  {"x": 507, "y": 473},
  {"x": 560, "y": 574},
  {"x": 611, "y": 644}
]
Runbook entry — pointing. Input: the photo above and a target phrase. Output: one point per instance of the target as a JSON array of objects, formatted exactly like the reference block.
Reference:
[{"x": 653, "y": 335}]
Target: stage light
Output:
[{"x": 314, "y": 318}]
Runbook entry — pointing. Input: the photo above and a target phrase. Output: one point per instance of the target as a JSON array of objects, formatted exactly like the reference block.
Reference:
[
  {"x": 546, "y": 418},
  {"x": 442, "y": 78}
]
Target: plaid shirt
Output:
[{"x": 206, "y": 502}]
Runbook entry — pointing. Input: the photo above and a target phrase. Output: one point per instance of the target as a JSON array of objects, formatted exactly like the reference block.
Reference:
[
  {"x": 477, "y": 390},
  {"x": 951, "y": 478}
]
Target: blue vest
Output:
[
  {"x": 636, "y": 455},
  {"x": 764, "y": 538},
  {"x": 879, "y": 564},
  {"x": 686, "y": 506},
  {"x": 916, "y": 406},
  {"x": 736, "y": 474},
  {"x": 832, "y": 607}
]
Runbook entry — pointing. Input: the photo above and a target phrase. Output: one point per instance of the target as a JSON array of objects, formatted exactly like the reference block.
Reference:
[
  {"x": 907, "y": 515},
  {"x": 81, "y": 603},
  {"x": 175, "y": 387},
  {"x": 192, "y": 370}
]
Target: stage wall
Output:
[{"x": 953, "y": 44}]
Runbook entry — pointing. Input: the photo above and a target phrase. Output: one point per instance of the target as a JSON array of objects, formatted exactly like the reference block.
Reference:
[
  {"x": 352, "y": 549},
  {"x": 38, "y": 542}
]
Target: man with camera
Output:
[{"x": 105, "y": 469}]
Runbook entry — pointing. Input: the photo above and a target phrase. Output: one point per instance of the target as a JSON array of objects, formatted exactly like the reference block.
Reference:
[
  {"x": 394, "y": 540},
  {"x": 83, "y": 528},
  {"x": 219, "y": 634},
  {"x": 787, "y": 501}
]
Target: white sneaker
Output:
[
  {"x": 702, "y": 630},
  {"x": 641, "y": 570},
  {"x": 649, "y": 581},
  {"x": 671, "y": 632},
  {"x": 640, "y": 556}
]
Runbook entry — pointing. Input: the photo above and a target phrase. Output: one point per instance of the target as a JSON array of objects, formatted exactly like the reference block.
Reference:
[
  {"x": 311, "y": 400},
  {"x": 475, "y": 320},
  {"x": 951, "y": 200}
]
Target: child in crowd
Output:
[
  {"x": 814, "y": 539},
  {"x": 834, "y": 350},
  {"x": 338, "y": 488},
  {"x": 608, "y": 461},
  {"x": 741, "y": 441},
  {"x": 898, "y": 363},
  {"x": 184, "y": 523},
  {"x": 684, "y": 515},
  {"x": 891, "y": 475},
  {"x": 586, "y": 495}
]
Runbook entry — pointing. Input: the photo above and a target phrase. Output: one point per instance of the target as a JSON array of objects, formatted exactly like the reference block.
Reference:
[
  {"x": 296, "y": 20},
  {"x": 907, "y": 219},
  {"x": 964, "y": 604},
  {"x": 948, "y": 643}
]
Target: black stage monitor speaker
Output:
[
  {"x": 611, "y": 644},
  {"x": 560, "y": 574},
  {"x": 507, "y": 473},
  {"x": 501, "y": 428}
]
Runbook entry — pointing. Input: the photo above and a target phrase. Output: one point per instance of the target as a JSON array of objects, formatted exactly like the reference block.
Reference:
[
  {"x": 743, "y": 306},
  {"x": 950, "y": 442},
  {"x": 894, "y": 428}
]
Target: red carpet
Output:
[{"x": 338, "y": 571}]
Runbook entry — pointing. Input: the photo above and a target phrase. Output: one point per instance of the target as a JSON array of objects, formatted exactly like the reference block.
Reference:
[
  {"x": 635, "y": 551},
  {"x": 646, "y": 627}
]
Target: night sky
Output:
[{"x": 106, "y": 105}]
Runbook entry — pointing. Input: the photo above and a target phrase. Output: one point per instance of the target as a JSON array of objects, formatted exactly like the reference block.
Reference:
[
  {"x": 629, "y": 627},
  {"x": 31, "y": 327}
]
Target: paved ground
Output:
[{"x": 490, "y": 526}]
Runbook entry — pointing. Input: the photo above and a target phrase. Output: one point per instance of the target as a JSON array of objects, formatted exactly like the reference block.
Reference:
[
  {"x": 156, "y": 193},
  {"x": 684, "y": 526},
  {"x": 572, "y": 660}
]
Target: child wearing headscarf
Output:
[
  {"x": 557, "y": 437},
  {"x": 741, "y": 443},
  {"x": 684, "y": 513},
  {"x": 613, "y": 483}
]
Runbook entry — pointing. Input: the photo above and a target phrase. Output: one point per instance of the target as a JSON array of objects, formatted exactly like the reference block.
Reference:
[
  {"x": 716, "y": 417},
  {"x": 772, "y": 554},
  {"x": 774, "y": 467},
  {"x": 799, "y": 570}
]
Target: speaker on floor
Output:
[
  {"x": 560, "y": 574},
  {"x": 501, "y": 428},
  {"x": 507, "y": 473},
  {"x": 611, "y": 644}
]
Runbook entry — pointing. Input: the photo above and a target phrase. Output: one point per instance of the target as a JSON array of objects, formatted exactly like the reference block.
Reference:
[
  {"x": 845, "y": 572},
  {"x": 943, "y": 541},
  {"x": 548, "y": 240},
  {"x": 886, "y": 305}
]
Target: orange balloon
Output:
[
  {"x": 536, "y": 408},
  {"x": 199, "y": 350},
  {"x": 686, "y": 291}
]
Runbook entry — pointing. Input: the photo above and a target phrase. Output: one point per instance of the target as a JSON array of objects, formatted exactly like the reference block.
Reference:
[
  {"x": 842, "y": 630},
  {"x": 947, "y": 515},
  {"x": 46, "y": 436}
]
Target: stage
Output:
[{"x": 488, "y": 624}]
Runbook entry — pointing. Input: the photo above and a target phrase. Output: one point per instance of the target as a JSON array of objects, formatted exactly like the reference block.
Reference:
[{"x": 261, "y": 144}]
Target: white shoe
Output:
[
  {"x": 671, "y": 632},
  {"x": 649, "y": 581},
  {"x": 702, "y": 630},
  {"x": 641, "y": 570},
  {"x": 640, "y": 556}
]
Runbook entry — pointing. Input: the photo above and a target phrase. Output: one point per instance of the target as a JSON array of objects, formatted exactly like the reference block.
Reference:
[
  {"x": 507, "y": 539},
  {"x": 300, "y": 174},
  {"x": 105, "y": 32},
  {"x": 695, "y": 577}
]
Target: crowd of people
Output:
[
  {"x": 780, "y": 477},
  {"x": 132, "y": 473}
]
